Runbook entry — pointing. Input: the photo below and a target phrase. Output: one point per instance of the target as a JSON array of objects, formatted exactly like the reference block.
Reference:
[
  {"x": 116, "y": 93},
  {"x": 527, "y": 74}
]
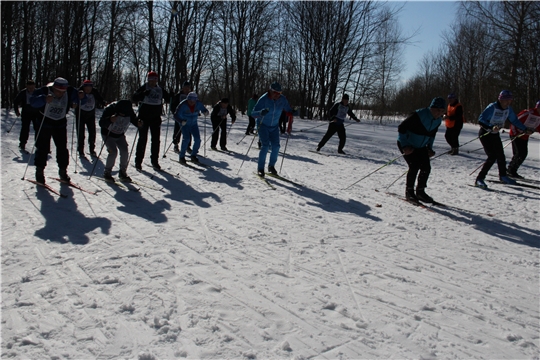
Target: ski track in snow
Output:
[{"x": 218, "y": 265}]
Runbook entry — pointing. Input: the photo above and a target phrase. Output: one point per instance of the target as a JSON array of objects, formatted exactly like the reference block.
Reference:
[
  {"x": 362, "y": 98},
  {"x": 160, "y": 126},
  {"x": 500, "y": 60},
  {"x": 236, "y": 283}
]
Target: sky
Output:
[{"x": 430, "y": 18}]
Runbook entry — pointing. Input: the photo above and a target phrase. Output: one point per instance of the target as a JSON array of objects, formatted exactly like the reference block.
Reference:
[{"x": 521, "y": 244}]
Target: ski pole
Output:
[
  {"x": 13, "y": 123},
  {"x": 284, "y": 151},
  {"x": 204, "y": 145},
  {"x": 373, "y": 172},
  {"x": 243, "y": 137},
  {"x": 172, "y": 142},
  {"x": 393, "y": 182},
  {"x": 78, "y": 135},
  {"x": 230, "y": 127},
  {"x": 511, "y": 140},
  {"x": 250, "y": 145},
  {"x": 133, "y": 146},
  {"x": 167, "y": 131},
  {"x": 311, "y": 128},
  {"x": 99, "y": 155},
  {"x": 35, "y": 141}
]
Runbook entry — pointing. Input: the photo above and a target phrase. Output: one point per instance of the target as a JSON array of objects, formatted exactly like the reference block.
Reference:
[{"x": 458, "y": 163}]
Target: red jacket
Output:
[{"x": 530, "y": 118}]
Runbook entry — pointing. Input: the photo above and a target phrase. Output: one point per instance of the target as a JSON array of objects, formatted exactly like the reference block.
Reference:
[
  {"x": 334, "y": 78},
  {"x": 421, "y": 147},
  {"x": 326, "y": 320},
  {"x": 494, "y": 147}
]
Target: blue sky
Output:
[{"x": 431, "y": 18}]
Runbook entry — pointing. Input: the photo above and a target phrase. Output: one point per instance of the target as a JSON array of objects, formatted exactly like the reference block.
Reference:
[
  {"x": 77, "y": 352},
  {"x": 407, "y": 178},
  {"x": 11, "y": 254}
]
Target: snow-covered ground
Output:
[{"x": 218, "y": 265}]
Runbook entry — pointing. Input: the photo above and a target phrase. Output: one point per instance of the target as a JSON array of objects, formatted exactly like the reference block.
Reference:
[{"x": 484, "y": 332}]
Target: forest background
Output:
[{"x": 317, "y": 50}]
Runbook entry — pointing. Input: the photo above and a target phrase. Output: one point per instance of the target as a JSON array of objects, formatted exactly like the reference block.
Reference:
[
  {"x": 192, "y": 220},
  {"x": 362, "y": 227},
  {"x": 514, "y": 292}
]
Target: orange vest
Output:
[{"x": 449, "y": 122}]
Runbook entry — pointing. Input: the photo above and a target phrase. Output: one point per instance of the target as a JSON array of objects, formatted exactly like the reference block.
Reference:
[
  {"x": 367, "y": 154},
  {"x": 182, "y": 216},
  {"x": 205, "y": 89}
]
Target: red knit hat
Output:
[
  {"x": 87, "y": 83},
  {"x": 60, "y": 84},
  {"x": 152, "y": 75}
]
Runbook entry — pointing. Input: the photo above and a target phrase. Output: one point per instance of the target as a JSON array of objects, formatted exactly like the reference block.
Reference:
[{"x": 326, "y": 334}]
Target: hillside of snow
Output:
[{"x": 215, "y": 264}]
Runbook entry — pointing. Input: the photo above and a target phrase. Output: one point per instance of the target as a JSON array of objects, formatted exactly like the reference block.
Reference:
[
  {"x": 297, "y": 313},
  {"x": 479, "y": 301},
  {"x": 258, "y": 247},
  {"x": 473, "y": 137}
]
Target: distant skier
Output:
[
  {"x": 150, "y": 97},
  {"x": 453, "y": 121},
  {"x": 187, "y": 113},
  {"x": 54, "y": 102},
  {"x": 491, "y": 120},
  {"x": 88, "y": 117},
  {"x": 251, "y": 104},
  {"x": 267, "y": 112},
  {"x": 415, "y": 141},
  {"x": 175, "y": 101},
  {"x": 531, "y": 119},
  {"x": 114, "y": 122},
  {"x": 29, "y": 113},
  {"x": 219, "y": 123},
  {"x": 337, "y": 115}
]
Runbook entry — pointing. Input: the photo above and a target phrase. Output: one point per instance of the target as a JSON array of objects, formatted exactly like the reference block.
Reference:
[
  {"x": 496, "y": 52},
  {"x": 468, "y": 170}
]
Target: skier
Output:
[
  {"x": 520, "y": 142},
  {"x": 415, "y": 141},
  {"x": 54, "y": 102},
  {"x": 114, "y": 122},
  {"x": 337, "y": 115},
  {"x": 87, "y": 117},
  {"x": 251, "y": 104},
  {"x": 29, "y": 113},
  {"x": 283, "y": 119},
  {"x": 175, "y": 101},
  {"x": 267, "y": 112},
  {"x": 491, "y": 120},
  {"x": 453, "y": 120},
  {"x": 150, "y": 97},
  {"x": 187, "y": 113},
  {"x": 219, "y": 123}
]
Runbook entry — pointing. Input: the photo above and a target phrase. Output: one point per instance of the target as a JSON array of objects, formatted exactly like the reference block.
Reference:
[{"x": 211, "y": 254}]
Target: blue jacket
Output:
[
  {"x": 419, "y": 129},
  {"x": 495, "y": 115},
  {"x": 184, "y": 113},
  {"x": 275, "y": 107}
]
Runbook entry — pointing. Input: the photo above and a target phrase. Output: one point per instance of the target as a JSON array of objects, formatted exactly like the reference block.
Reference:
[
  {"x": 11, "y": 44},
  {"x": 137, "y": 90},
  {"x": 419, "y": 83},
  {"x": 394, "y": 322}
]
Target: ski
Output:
[
  {"x": 119, "y": 184},
  {"x": 200, "y": 164},
  {"x": 412, "y": 202},
  {"x": 279, "y": 177},
  {"x": 529, "y": 186},
  {"x": 188, "y": 165},
  {"x": 229, "y": 152},
  {"x": 455, "y": 208},
  {"x": 265, "y": 181},
  {"x": 48, "y": 188},
  {"x": 146, "y": 173},
  {"x": 318, "y": 152},
  {"x": 73, "y": 185},
  {"x": 525, "y": 180},
  {"x": 145, "y": 185}
]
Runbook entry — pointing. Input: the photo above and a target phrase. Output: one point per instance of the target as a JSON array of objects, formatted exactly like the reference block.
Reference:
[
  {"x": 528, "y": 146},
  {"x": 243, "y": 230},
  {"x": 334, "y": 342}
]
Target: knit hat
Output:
[
  {"x": 438, "y": 103},
  {"x": 186, "y": 83},
  {"x": 345, "y": 97},
  {"x": 87, "y": 83},
  {"x": 152, "y": 75},
  {"x": 30, "y": 82},
  {"x": 192, "y": 96},
  {"x": 60, "y": 84},
  {"x": 276, "y": 87},
  {"x": 124, "y": 107},
  {"x": 506, "y": 95},
  {"x": 225, "y": 100},
  {"x": 452, "y": 96}
]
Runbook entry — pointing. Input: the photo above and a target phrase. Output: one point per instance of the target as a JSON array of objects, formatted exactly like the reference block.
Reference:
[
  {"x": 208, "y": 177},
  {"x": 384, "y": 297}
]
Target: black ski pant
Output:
[
  {"x": 251, "y": 125},
  {"x": 43, "y": 144},
  {"x": 28, "y": 117},
  {"x": 219, "y": 125},
  {"x": 155, "y": 128},
  {"x": 452, "y": 136},
  {"x": 495, "y": 152},
  {"x": 520, "y": 149},
  {"x": 86, "y": 119},
  {"x": 419, "y": 165},
  {"x": 334, "y": 127},
  {"x": 283, "y": 123}
]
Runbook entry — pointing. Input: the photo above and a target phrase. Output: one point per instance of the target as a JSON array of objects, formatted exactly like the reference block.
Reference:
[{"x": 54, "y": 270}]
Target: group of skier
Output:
[{"x": 47, "y": 107}]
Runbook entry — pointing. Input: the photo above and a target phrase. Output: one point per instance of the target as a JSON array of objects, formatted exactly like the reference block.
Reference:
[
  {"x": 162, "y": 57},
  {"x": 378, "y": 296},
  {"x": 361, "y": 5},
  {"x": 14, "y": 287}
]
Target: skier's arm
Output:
[
  {"x": 333, "y": 112},
  {"x": 19, "y": 101},
  {"x": 515, "y": 121},
  {"x": 351, "y": 114},
  {"x": 485, "y": 116}
]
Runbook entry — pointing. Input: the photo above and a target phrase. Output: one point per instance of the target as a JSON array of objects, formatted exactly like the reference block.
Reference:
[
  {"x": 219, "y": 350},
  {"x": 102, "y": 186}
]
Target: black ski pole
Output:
[
  {"x": 311, "y": 128},
  {"x": 247, "y": 152},
  {"x": 13, "y": 123},
  {"x": 284, "y": 152},
  {"x": 35, "y": 141},
  {"x": 133, "y": 146},
  {"x": 167, "y": 131},
  {"x": 213, "y": 132},
  {"x": 99, "y": 155},
  {"x": 373, "y": 172},
  {"x": 172, "y": 142}
]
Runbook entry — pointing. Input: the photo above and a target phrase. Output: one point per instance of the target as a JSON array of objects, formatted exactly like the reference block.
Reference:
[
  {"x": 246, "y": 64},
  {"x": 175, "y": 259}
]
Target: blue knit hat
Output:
[
  {"x": 276, "y": 87},
  {"x": 452, "y": 96},
  {"x": 438, "y": 103},
  {"x": 192, "y": 96},
  {"x": 506, "y": 95}
]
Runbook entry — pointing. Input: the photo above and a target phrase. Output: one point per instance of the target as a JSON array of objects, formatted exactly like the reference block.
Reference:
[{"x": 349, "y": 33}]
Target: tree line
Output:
[{"x": 317, "y": 50}]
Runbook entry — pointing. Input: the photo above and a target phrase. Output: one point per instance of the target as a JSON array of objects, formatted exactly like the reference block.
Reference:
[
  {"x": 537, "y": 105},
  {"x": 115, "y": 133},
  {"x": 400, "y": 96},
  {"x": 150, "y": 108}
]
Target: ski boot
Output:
[
  {"x": 107, "y": 175},
  {"x": 422, "y": 196},
  {"x": 481, "y": 184},
  {"x": 63, "y": 175},
  {"x": 122, "y": 175},
  {"x": 507, "y": 180},
  {"x": 410, "y": 195},
  {"x": 272, "y": 170},
  {"x": 40, "y": 176},
  {"x": 260, "y": 172},
  {"x": 182, "y": 160}
]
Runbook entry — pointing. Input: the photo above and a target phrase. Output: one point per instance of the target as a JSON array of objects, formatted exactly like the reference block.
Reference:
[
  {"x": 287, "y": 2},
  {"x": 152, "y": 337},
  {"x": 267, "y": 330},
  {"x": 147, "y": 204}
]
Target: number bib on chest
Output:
[
  {"x": 57, "y": 108},
  {"x": 120, "y": 126},
  {"x": 499, "y": 116},
  {"x": 90, "y": 103}
]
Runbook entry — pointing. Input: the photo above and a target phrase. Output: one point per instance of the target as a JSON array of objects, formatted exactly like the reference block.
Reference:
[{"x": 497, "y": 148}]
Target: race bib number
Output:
[
  {"x": 155, "y": 96},
  {"x": 342, "y": 112},
  {"x": 56, "y": 109},
  {"x": 90, "y": 103},
  {"x": 499, "y": 116},
  {"x": 532, "y": 121},
  {"x": 121, "y": 125}
]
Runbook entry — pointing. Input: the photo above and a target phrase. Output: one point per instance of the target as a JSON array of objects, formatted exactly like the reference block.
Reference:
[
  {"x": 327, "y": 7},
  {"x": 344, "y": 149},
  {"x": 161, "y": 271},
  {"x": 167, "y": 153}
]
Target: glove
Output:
[
  {"x": 431, "y": 153},
  {"x": 495, "y": 129},
  {"x": 529, "y": 131},
  {"x": 265, "y": 111},
  {"x": 408, "y": 150},
  {"x": 184, "y": 123}
]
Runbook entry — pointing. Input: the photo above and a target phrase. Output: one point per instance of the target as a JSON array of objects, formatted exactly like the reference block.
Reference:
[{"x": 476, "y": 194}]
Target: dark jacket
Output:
[
  {"x": 419, "y": 129},
  {"x": 99, "y": 102},
  {"x": 22, "y": 100},
  {"x": 339, "y": 111},
  {"x": 218, "y": 112},
  {"x": 38, "y": 100},
  {"x": 116, "y": 130},
  {"x": 150, "y": 110}
]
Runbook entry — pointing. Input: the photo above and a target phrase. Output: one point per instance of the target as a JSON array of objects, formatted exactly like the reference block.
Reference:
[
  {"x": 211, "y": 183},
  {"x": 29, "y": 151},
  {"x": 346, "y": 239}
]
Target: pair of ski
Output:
[
  {"x": 518, "y": 183},
  {"x": 54, "y": 191},
  {"x": 200, "y": 166},
  {"x": 279, "y": 177},
  {"x": 130, "y": 185}
]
